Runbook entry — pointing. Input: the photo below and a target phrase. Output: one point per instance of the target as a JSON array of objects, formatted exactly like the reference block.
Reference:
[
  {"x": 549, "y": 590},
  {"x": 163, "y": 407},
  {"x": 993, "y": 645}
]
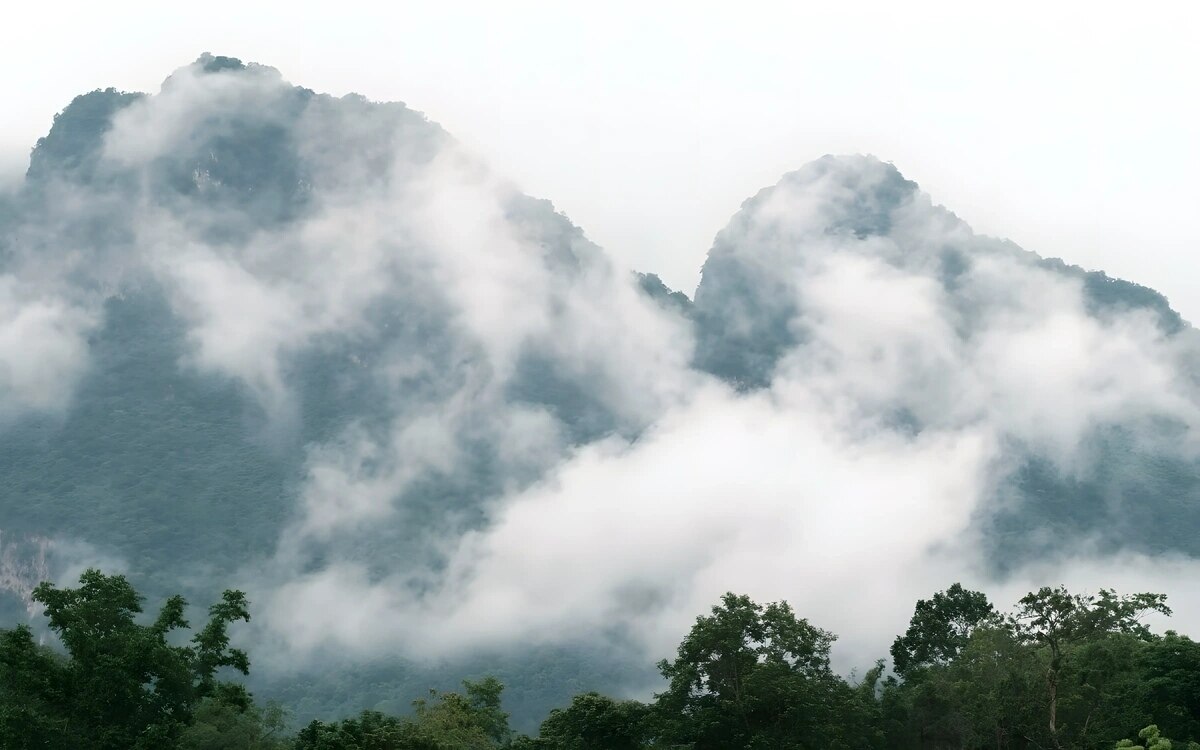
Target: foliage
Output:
[
  {"x": 218, "y": 725},
  {"x": 370, "y": 730},
  {"x": 940, "y": 628},
  {"x": 750, "y": 676},
  {"x": 1064, "y": 625},
  {"x": 594, "y": 721},
  {"x": 1064, "y": 671},
  {"x": 31, "y": 691},
  {"x": 1153, "y": 740},
  {"x": 472, "y": 720},
  {"x": 123, "y": 684}
]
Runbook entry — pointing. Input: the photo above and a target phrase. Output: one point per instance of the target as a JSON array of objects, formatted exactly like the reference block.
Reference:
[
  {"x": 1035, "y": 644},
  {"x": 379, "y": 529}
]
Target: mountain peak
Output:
[
  {"x": 854, "y": 192},
  {"x": 839, "y": 209},
  {"x": 77, "y": 134},
  {"x": 210, "y": 63}
]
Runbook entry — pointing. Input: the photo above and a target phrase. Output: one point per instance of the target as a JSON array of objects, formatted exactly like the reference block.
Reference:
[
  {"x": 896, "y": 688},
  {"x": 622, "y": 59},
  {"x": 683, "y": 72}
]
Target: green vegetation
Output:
[
  {"x": 1154, "y": 741},
  {"x": 121, "y": 684},
  {"x": 1064, "y": 671}
]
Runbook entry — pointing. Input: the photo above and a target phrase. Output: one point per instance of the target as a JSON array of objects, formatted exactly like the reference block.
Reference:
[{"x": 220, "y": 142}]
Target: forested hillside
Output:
[{"x": 310, "y": 348}]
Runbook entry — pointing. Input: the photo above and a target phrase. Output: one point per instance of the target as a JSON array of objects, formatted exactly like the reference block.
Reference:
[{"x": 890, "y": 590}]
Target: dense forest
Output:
[{"x": 1060, "y": 670}]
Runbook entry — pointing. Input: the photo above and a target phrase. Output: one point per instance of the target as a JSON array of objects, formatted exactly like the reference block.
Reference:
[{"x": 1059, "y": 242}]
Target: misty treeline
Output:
[{"x": 1059, "y": 670}]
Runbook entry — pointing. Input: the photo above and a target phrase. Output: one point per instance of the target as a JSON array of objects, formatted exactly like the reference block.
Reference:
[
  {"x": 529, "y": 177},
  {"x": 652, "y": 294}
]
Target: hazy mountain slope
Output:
[
  {"x": 1091, "y": 453},
  {"x": 267, "y": 319},
  {"x": 749, "y": 290},
  {"x": 253, "y": 335}
]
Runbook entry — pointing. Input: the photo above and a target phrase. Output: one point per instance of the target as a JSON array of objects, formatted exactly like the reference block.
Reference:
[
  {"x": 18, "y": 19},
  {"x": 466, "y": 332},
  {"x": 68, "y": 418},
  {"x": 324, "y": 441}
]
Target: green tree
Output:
[
  {"x": 1153, "y": 740},
  {"x": 31, "y": 694},
  {"x": 472, "y": 720},
  {"x": 595, "y": 722},
  {"x": 123, "y": 685},
  {"x": 218, "y": 725},
  {"x": 749, "y": 676},
  {"x": 1059, "y": 622},
  {"x": 370, "y": 730},
  {"x": 996, "y": 690},
  {"x": 986, "y": 697},
  {"x": 1169, "y": 671},
  {"x": 940, "y": 627}
]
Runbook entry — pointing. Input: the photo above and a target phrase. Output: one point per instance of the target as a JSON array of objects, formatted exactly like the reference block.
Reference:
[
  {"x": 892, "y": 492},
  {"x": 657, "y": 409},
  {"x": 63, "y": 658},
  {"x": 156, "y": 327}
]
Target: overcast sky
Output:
[{"x": 1068, "y": 127}]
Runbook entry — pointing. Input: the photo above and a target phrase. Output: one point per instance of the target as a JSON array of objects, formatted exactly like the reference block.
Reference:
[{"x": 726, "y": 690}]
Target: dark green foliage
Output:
[
  {"x": 370, "y": 730},
  {"x": 447, "y": 721},
  {"x": 124, "y": 685},
  {"x": 940, "y": 628},
  {"x": 31, "y": 693},
  {"x": 596, "y": 722},
  {"x": 1168, "y": 670},
  {"x": 469, "y": 720},
  {"x": 983, "y": 698},
  {"x": 750, "y": 676},
  {"x": 219, "y": 725},
  {"x": 1064, "y": 671},
  {"x": 1066, "y": 629}
]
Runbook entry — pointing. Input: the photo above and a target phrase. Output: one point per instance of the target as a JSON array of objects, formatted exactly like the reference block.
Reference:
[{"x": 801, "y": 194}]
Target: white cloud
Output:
[
  {"x": 814, "y": 490},
  {"x": 43, "y": 349},
  {"x": 851, "y": 486}
]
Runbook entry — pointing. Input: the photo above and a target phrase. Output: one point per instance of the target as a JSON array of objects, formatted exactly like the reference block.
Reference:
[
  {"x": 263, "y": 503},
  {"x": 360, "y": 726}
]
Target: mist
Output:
[{"x": 489, "y": 437}]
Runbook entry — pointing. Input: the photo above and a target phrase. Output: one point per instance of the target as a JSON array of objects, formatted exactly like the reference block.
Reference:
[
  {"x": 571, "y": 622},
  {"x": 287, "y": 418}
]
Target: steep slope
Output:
[
  {"x": 253, "y": 335},
  {"x": 251, "y": 331},
  {"x": 846, "y": 271}
]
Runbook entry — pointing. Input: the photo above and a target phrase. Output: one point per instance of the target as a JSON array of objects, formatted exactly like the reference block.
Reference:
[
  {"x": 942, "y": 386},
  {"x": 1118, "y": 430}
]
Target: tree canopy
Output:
[{"x": 1062, "y": 670}]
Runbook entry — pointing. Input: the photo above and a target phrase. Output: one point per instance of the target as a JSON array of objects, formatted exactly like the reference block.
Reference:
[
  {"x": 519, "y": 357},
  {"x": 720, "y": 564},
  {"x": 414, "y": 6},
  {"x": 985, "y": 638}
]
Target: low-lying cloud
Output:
[{"x": 534, "y": 451}]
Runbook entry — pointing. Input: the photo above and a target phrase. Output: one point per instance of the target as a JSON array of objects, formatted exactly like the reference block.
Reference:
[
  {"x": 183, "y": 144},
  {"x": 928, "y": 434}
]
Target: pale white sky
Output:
[{"x": 1068, "y": 127}]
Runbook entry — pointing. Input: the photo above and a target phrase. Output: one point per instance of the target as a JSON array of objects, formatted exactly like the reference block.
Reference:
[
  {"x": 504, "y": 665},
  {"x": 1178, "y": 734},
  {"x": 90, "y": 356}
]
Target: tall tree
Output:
[
  {"x": 750, "y": 676},
  {"x": 1057, "y": 621},
  {"x": 123, "y": 685},
  {"x": 940, "y": 627},
  {"x": 1169, "y": 671},
  {"x": 31, "y": 694}
]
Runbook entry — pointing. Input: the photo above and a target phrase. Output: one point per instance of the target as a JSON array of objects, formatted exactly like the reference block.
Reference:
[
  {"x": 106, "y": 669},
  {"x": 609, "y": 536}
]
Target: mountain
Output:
[
  {"x": 245, "y": 301},
  {"x": 254, "y": 335},
  {"x": 966, "y": 330}
]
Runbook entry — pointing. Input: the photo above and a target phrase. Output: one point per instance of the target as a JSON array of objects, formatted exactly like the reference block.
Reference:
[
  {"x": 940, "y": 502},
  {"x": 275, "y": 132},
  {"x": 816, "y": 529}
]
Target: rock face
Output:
[
  {"x": 254, "y": 335},
  {"x": 22, "y": 567}
]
